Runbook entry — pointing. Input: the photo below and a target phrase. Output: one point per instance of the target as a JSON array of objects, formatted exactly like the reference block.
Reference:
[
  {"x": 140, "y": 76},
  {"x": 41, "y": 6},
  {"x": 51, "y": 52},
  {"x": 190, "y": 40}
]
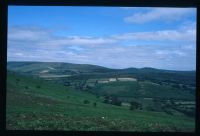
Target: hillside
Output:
[
  {"x": 82, "y": 95},
  {"x": 87, "y": 71},
  {"x": 36, "y": 104},
  {"x": 35, "y": 67}
]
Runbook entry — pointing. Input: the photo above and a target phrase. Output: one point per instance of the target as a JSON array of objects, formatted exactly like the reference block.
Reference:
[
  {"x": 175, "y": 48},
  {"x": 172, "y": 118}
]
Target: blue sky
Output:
[{"x": 114, "y": 37}]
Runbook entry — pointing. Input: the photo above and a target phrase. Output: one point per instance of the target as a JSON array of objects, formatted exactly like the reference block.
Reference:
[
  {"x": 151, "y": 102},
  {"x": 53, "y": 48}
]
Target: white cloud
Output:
[
  {"x": 179, "y": 53},
  {"x": 76, "y": 48},
  {"x": 165, "y": 35},
  {"x": 105, "y": 51},
  {"x": 189, "y": 47},
  {"x": 167, "y": 53},
  {"x": 163, "y": 14},
  {"x": 44, "y": 37},
  {"x": 188, "y": 25},
  {"x": 85, "y": 40},
  {"x": 30, "y": 34}
]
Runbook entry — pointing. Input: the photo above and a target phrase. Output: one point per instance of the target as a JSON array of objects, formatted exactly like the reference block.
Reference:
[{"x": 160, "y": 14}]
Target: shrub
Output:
[
  {"x": 86, "y": 102},
  {"x": 67, "y": 84},
  {"x": 95, "y": 104},
  {"x": 17, "y": 79},
  {"x": 112, "y": 100},
  {"x": 135, "y": 105},
  {"x": 116, "y": 101},
  {"x": 106, "y": 100},
  {"x": 38, "y": 86},
  {"x": 97, "y": 96}
]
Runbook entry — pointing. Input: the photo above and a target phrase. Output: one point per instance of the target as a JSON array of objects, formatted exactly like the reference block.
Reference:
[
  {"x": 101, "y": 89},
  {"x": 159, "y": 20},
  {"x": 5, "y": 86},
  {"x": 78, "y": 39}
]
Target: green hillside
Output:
[
  {"x": 53, "y": 67},
  {"x": 66, "y": 96},
  {"x": 86, "y": 71},
  {"x": 36, "y": 104}
]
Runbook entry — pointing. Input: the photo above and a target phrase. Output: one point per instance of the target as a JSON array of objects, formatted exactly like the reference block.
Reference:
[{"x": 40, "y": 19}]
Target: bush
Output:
[
  {"x": 86, "y": 102},
  {"x": 107, "y": 99},
  {"x": 17, "y": 79},
  {"x": 115, "y": 101},
  {"x": 38, "y": 86},
  {"x": 112, "y": 100},
  {"x": 135, "y": 105},
  {"x": 95, "y": 104},
  {"x": 67, "y": 84},
  {"x": 150, "y": 108},
  {"x": 97, "y": 96}
]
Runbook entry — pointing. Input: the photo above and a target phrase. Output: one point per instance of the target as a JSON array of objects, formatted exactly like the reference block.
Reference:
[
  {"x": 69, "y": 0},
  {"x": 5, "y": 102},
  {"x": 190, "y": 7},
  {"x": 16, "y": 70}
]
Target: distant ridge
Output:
[
  {"x": 12, "y": 64},
  {"x": 85, "y": 71}
]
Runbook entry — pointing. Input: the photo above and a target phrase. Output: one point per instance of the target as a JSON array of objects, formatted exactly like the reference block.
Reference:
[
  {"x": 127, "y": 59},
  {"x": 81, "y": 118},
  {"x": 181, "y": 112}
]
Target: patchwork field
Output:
[{"x": 82, "y": 102}]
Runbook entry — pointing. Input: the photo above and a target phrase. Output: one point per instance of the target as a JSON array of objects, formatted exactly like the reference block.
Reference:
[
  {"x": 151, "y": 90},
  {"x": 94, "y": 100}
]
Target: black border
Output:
[
  {"x": 125, "y": 3},
  {"x": 143, "y": 3}
]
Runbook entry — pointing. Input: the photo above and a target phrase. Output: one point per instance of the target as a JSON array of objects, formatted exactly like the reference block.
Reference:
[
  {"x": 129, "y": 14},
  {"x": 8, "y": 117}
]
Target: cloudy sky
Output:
[{"x": 114, "y": 37}]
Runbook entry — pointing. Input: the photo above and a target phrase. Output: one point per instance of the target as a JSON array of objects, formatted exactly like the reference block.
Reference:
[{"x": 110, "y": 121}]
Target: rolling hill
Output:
[
  {"x": 35, "y": 104},
  {"x": 156, "y": 75},
  {"x": 66, "y": 96}
]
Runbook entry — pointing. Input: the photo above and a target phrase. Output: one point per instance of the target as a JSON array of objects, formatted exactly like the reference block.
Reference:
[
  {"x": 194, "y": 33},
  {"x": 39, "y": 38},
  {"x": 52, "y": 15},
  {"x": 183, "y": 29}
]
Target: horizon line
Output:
[{"x": 104, "y": 66}]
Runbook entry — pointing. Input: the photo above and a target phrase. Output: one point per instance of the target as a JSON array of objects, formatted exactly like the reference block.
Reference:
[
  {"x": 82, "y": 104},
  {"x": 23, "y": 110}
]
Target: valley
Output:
[{"x": 66, "y": 96}]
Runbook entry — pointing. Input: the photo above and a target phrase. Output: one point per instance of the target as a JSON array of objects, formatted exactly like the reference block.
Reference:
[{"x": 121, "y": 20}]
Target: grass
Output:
[
  {"x": 118, "y": 88},
  {"x": 143, "y": 89},
  {"x": 55, "y": 107}
]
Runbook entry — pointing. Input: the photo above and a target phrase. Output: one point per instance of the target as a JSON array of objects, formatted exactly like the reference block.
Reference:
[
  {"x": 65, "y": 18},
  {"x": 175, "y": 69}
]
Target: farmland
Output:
[{"x": 64, "y": 96}]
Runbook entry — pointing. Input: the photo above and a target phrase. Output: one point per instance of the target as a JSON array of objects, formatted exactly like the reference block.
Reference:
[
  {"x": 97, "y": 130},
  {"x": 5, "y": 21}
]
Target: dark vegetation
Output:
[
  {"x": 68, "y": 96},
  {"x": 135, "y": 105}
]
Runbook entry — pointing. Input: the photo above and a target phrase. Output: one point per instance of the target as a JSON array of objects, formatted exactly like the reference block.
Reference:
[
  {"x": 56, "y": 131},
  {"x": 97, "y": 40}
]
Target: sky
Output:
[{"x": 113, "y": 37}]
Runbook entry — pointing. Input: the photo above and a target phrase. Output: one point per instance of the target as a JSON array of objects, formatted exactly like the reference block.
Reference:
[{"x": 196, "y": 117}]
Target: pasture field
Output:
[{"x": 36, "y": 104}]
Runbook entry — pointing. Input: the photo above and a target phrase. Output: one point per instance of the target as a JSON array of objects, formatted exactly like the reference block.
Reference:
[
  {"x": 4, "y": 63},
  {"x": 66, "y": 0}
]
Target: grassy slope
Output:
[
  {"x": 143, "y": 89},
  {"x": 58, "y": 66},
  {"x": 54, "y": 107}
]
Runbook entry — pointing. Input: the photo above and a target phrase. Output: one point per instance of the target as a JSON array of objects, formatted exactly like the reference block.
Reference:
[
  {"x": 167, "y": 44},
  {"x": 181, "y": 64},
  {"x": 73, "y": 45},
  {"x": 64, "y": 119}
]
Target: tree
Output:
[
  {"x": 67, "y": 83},
  {"x": 38, "y": 86},
  {"x": 96, "y": 82},
  {"x": 115, "y": 101},
  {"x": 86, "y": 102},
  {"x": 88, "y": 87},
  {"x": 17, "y": 79},
  {"x": 106, "y": 100},
  {"x": 112, "y": 100},
  {"x": 135, "y": 105},
  {"x": 95, "y": 104},
  {"x": 97, "y": 96}
]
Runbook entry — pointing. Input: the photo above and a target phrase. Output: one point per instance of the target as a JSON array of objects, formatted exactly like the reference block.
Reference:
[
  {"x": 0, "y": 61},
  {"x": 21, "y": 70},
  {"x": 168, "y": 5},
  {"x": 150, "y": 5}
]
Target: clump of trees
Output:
[
  {"x": 107, "y": 99},
  {"x": 116, "y": 101},
  {"x": 135, "y": 105},
  {"x": 94, "y": 104},
  {"x": 112, "y": 100},
  {"x": 17, "y": 80},
  {"x": 38, "y": 86},
  {"x": 67, "y": 84},
  {"x": 86, "y": 102}
]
